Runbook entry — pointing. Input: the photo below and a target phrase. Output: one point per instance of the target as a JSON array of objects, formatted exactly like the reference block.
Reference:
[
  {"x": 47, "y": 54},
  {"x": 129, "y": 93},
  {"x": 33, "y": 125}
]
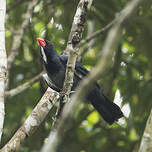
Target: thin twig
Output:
[
  {"x": 110, "y": 46},
  {"x": 3, "y": 63},
  {"x": 23, "y": 87},
  {"x": 33, "y": 121},
  {"x": 96, "y": 33}
]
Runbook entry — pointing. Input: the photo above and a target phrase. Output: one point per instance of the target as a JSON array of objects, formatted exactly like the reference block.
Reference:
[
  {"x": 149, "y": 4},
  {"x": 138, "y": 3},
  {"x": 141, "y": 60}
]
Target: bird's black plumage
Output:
[{"x": 55, "y": 65}]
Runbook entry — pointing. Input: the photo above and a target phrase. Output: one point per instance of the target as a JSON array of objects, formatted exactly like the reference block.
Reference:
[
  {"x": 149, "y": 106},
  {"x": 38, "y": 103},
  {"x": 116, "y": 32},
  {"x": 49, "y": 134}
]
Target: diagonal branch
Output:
[
  {"x": 19, "y": 34},
  {"x": 33, "y": 121},
  {"x": 96, "y": 33},
  {"x": 105, "y": 62},
  {"x": 23, "y": 87},
  {"x": 3, "y": 63}
]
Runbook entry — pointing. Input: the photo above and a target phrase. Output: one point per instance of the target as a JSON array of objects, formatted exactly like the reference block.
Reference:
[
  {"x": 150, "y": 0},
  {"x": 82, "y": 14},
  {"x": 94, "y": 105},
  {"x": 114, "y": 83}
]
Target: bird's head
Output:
[
  {"x": 41, "y": 42},
  {"x": 46, "y": 48}
]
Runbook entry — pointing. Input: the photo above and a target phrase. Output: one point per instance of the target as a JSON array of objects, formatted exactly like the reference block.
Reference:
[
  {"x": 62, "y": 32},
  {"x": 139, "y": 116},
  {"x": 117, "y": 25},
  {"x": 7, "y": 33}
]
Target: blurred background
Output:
[{"x": 128, "y": 82}]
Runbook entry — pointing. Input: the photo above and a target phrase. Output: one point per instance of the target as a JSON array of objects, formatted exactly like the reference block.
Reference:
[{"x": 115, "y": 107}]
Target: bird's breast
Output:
[{"x": 57, "y": 77}]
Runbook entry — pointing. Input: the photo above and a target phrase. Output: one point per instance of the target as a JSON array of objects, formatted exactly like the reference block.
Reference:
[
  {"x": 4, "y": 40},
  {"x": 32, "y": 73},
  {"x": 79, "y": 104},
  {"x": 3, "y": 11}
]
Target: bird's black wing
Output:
[
  {"x": 80, "y": 70},
  {"x": 50, "y": 83}
]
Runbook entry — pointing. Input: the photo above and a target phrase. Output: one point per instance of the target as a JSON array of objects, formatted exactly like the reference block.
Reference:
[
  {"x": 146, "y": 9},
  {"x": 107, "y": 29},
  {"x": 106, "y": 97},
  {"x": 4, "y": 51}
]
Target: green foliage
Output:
[{"x": 131, "y": 75}]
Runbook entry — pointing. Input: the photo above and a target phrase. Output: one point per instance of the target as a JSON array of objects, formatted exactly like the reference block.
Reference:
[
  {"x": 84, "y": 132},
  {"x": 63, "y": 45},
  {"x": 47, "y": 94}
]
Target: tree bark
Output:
[
  {"x": 72, "y": 48},
  {"x": 33, "y": 121},
  {"x": 3, "y": 63},
  {"x": 146, "y": 141}
]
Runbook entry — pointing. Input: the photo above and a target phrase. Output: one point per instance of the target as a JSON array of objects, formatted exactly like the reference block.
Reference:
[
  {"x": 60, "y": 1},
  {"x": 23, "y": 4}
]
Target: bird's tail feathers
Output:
[{"x": 108, "y": 110}]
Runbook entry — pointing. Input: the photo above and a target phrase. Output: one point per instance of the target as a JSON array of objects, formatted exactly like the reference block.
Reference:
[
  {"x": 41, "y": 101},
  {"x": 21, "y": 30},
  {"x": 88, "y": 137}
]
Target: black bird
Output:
[{"x": 55, "y": 65}]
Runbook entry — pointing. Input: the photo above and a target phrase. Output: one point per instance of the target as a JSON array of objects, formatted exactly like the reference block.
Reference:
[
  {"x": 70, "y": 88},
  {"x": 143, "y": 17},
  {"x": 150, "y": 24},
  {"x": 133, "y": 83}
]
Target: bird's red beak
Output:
[{"x": 41, "y": 42}]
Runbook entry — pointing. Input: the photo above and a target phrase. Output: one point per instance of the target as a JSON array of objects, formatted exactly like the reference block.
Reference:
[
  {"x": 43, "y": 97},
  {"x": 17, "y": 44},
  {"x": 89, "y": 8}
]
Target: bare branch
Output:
[
  {"x": 72, "y": 49},
  {"x": 110, "y": 46},
  {"x": 146, "y": 141},
  {"x": 23, "y": 87},
  {"x": 73, "y": 44},
  {"x": 33, "y": 121},
  {"x": 19, "y": 34},
  {"x": 3, "y": 63}
]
